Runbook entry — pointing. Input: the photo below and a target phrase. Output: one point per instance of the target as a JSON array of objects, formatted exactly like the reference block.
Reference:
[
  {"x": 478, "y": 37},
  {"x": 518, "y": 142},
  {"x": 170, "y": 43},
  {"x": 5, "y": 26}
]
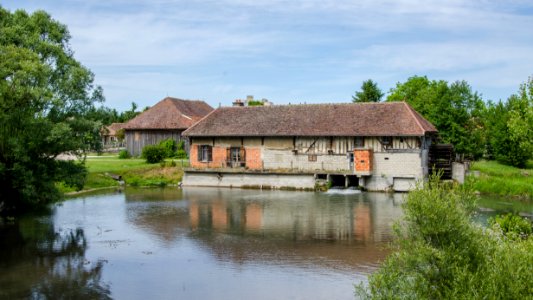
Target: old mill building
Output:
[{"x": 376, "y": 146}]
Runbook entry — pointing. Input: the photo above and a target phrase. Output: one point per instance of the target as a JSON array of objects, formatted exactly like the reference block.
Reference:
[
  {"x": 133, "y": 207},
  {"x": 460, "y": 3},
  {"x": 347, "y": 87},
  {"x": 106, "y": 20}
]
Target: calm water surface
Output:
[{"x": 199, "y": 243}]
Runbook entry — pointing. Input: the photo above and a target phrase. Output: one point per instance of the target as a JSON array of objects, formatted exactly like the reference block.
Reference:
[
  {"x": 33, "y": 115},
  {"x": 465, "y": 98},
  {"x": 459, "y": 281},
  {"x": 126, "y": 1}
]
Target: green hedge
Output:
[{"x": 154, "y": 153}]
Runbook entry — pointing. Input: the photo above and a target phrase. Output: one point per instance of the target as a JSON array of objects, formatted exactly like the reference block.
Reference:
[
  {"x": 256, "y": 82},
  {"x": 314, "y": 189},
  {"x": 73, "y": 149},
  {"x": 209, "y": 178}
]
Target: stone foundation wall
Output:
[{"x": 255, "y": 180}]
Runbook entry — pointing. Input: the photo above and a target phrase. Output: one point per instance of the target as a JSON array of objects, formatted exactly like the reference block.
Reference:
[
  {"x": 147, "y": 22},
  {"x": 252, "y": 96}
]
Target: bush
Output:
[
  {"x": 153, "y": 153},
  {"x": 123, "y": 154},
  {"x": 181, "y": 145},
  {"x": 181, "y": 154},
  {"x": 441, "y": 254},
  {"x": 512, "y": 224},
  {"x": 170, "y": 146}
]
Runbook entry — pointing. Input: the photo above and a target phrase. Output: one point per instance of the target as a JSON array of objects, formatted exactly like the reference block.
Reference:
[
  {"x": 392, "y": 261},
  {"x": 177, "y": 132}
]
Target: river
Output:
[{"x": 201, "y": 243}]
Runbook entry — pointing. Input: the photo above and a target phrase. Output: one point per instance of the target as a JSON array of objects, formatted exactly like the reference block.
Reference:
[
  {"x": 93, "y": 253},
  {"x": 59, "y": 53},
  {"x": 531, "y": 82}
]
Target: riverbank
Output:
[
  {"x": 133, "y": 171},
  {"x": 498, "y": 179},
  {"x": 494, "y": 178}
]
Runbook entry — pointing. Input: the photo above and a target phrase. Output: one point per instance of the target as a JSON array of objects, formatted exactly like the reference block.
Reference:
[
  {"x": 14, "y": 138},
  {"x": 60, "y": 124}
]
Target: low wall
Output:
[{"x": 247, "y": 179}]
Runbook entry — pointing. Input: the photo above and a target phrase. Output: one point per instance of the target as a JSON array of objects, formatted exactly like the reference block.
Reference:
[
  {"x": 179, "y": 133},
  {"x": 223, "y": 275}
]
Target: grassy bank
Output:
[
  {"x": 498, "y": 179},
  {"x": 135, "y": 172}
]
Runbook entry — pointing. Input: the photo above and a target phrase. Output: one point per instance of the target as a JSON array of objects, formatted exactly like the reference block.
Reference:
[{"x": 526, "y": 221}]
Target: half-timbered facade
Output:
[{"x": 378, "y": 146}]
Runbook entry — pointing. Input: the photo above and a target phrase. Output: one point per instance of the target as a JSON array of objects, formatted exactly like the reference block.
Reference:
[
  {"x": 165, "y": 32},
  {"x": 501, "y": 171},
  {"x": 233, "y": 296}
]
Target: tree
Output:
[
  {"x": 129, "y": 114},
  {"x": 44, "y": 97},
  {"x": 370, "y": 92},
  {"x": 453, "y": 108},
  {"x": 510, "y": 127}
]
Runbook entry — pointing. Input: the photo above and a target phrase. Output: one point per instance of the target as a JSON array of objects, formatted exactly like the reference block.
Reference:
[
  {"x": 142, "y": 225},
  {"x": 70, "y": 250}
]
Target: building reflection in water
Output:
[
  {"x": 302, "y": 216},
  {"x": 305, "y": 229},
  {"x": 272, "y": 227}
]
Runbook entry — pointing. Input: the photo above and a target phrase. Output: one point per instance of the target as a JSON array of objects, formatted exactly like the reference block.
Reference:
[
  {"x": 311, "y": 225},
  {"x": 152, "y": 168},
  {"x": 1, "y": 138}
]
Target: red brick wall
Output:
[
  {"x": 218, "y": 155},
  {"x": 253, "y": 158},
  {"x": 362, "y": 160},
  {"x": 193, "y": 157}
]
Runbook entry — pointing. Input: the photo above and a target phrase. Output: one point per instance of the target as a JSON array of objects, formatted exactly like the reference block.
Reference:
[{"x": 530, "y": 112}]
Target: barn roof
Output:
[
  {"x": 353, "y": 119},
  {"x": 170, "y": 113}
]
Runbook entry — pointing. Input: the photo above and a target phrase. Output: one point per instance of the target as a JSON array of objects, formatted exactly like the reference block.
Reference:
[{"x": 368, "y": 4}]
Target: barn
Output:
[{"x": 166, "y": 119}]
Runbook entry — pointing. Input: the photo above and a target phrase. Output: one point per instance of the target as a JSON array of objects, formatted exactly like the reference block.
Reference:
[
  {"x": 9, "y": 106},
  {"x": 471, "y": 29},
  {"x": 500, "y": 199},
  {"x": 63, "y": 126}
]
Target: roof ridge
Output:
[
  {"x": 198, "y": 122},
  {"x": 312, "y": 104}
]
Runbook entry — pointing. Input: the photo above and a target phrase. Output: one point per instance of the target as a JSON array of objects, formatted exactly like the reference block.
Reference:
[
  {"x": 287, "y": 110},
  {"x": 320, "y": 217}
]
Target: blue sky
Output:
[{"x": 292, "y": 51}]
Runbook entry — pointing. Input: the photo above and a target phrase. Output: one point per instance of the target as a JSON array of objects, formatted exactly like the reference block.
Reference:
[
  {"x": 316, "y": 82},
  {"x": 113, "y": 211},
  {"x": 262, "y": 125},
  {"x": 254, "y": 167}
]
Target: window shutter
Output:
[
  {"x": 243, "y": 154},
  {"x": 200, "y": 158}
]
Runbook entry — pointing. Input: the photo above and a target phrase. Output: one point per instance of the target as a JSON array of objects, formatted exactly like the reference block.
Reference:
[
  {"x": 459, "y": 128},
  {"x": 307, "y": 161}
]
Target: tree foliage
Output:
[
  {"x": 510, "y": 127},
  {"x": 44, "y": 96},
  {"x": 454, "y": 109},
  {"x": 108, "y": 115},
  {"x": 370, "y": 92},
  {"x": 441, "y": 254}
]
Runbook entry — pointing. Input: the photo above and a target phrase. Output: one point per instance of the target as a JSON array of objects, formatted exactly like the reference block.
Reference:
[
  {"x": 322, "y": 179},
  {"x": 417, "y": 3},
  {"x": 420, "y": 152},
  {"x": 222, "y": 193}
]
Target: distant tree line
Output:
[
  {"x": 108, "y": 115},
  {"x": 500, "y": 130}
]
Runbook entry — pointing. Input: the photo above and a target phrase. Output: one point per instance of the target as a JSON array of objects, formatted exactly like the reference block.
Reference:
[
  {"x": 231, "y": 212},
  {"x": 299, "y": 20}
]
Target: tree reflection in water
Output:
[{"x": 39, "y": 262}]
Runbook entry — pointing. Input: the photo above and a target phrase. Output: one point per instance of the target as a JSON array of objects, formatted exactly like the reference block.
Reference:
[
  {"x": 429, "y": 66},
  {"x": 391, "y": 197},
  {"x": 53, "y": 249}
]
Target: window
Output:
[
  {"x": 205, "y": 153},
  {"x": 386, "y": 140},
  {"x": 311, "y": 157},
  {"x": 235, "y": 154},
  {"x": 359, "y": 142},
  {"x": 236, "y": 157}
]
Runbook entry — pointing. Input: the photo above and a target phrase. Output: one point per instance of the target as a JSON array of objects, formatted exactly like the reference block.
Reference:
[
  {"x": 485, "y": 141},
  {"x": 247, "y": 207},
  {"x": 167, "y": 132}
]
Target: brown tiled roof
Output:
[
  {"x": 353, "y": 119},
  {"x": 114, "y": 127},
  {"x": 170, "y": 113}
]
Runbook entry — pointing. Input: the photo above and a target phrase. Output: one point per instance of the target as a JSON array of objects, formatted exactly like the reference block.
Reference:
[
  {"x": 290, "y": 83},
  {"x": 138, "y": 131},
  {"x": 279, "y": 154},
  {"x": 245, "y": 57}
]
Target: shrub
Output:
[
  {"x": 153, "y": 154},
  {"x": 512, "y": 224},
  {"x": 441, "y": 254},
  {"x": 181, "y": 145},
  {"x": 123, "y": 154},
  {"x": 170, "y": 146},
  {"x": 181, "y": 154}
]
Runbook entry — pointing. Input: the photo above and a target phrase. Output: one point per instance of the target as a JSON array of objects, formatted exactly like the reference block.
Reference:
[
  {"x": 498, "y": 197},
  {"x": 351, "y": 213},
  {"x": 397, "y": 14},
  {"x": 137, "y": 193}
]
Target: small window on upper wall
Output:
[
  {"x": 386, "y": 141},
  {"x": 205, "y": 153},
  {"x": 359, "y": 142}
]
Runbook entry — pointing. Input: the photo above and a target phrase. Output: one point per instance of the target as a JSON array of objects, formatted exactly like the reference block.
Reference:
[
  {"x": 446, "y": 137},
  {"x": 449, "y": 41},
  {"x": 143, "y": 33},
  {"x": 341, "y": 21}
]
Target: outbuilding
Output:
[{"x": 166, "y": 119}]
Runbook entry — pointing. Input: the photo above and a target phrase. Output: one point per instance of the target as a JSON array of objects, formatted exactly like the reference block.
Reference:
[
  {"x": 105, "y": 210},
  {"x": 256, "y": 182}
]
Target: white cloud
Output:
[{"x": 300, "y": 49}]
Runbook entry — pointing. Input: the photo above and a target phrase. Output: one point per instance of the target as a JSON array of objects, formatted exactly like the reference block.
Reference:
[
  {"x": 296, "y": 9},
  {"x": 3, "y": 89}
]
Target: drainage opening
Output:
[
  {"x": 337, "y": 180},
  {"x": 321, "y": 176},
  {"x": 352, "y": 181}
]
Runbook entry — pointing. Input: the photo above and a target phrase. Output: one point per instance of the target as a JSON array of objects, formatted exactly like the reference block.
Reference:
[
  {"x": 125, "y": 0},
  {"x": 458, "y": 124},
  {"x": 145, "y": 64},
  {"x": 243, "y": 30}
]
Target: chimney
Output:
[{"x": 238, "y": 102}]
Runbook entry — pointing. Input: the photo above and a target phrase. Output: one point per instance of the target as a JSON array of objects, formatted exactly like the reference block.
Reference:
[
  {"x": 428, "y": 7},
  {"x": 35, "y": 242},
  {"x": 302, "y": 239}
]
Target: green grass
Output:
[
  {"x": 499, "y": 179},
  {"x": 134, "y": 171},
  {"x": 114, "y": 164}
]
